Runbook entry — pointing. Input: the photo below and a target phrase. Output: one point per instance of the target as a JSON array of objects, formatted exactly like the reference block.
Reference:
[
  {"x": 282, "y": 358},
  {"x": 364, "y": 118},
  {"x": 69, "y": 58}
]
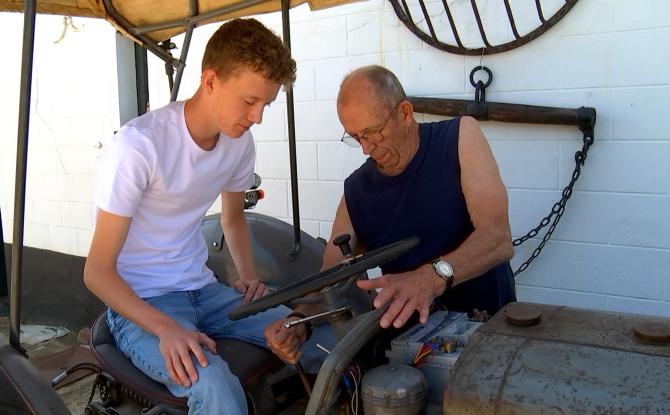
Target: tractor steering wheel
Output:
[{"x": 326, "y": 278}]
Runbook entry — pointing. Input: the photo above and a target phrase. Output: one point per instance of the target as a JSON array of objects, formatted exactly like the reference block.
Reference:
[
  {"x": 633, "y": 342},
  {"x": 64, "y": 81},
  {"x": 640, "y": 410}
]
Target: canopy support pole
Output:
[
  {"x": 192, "y": 11},
  {"x": 21, "y": 168},
  {"x": 132, "y": 78},
  {"x": 142, "y": 78},
  {"x": 292, "y": 147},
  {"x": 3, "y": 265}
]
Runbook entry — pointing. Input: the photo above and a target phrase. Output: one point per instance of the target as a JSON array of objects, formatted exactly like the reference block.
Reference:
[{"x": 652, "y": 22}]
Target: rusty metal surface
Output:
[
  {"x": 572, "y": 362},
  {"x": 582, "y": 327}
]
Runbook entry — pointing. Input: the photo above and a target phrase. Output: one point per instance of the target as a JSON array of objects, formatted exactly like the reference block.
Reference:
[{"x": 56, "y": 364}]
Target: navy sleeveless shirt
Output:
[{"x": 425, "y": 200}]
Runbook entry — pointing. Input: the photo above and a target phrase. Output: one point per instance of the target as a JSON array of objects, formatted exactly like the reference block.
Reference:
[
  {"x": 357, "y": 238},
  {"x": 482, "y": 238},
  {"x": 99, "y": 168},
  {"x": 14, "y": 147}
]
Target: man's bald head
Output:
[{"x": 374, "y": 84}]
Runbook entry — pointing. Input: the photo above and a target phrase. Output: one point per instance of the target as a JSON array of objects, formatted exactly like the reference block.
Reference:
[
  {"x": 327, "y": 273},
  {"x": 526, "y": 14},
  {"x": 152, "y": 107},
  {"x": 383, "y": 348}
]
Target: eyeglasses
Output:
[{"x": 375, "y": 136}]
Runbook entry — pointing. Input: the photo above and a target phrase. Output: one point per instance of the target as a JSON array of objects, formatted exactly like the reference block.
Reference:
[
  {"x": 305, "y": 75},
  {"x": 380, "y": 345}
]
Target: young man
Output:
[
  {"x": 159, "y": 176},
  {"x": 438, "y": 181}
]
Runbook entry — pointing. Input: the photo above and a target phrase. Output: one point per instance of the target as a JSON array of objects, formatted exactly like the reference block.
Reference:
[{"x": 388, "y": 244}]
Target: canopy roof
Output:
[{"x": 159, "y": 20}]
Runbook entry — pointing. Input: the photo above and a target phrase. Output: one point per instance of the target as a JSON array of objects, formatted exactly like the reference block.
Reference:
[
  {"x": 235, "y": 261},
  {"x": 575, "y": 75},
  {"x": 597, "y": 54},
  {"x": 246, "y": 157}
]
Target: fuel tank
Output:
[{"x": 541, "y": 359}]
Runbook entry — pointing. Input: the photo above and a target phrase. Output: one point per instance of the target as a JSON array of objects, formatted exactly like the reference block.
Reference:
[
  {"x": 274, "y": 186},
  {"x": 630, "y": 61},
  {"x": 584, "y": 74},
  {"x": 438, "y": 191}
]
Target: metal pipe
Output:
[
  {"x": 3, "y": 264},
  {"x": 292, "y": 147},
  {"x": 313, "y": 317},
  {"x": 303, "y": 378},
  {"x": 195, "y": 19},
  {"x": 480, "y": 25},
  {"x": 323, "y": 349},
  {"x": 141, "y": 79},
  {"x": 452, "y": 23},
  {"x": 192, "y": 11},
  {"x": 21, "y": 168},
  {"x": 429, "y": 22},
  {"x": 147, "y": 42},
  {"x": 510, "y": 16},
  {"x": 182, "y": 58}
]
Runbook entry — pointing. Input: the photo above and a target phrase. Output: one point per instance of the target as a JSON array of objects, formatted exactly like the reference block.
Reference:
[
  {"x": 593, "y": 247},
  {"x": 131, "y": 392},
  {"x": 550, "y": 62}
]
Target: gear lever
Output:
[{"x": 342, "y": 242}]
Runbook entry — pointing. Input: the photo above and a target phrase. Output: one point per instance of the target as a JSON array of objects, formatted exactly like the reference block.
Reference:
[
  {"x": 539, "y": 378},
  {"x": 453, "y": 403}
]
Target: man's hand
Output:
[
  {"x": 285, "y": 343},
  {"x": 406, "y": 292},
  {"x": 176, "y": 345},
  {"x": 252, "y": 289}
]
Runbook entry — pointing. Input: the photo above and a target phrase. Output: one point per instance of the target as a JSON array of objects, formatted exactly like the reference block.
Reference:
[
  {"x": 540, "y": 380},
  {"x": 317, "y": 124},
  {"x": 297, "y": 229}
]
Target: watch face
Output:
[{"x": 443, "y": 268}]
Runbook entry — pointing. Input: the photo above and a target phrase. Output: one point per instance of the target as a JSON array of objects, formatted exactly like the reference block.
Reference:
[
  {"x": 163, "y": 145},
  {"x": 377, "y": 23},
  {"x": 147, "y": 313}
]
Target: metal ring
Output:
[{"x": 483, "y": 68}]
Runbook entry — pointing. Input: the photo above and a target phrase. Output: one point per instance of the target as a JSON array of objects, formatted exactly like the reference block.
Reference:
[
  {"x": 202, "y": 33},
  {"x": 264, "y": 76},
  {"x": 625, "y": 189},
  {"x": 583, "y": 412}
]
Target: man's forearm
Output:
[{"x": 480, "y": 252}]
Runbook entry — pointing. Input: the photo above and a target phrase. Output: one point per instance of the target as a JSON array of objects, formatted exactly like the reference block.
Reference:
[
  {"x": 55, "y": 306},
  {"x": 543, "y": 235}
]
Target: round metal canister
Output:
[{"x": 393, "y": 389}]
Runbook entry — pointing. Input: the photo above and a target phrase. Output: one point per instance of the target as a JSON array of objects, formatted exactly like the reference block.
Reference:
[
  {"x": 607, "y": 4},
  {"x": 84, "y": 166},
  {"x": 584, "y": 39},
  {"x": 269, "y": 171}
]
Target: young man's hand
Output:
[
  {"x": 286, "y": 343},
  {"x": 176, "y": 345},
  {"x": 252, "y": 289}
]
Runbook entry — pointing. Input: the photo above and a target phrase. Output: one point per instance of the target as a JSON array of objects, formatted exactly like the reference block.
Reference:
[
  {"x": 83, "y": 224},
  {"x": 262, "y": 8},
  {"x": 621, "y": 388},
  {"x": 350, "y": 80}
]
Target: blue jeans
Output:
[{"x": 217, "y": 390}]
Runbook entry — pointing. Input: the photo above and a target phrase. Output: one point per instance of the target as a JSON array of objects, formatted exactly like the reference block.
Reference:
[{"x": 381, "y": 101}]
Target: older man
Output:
[{"x": 438, "y": 181}]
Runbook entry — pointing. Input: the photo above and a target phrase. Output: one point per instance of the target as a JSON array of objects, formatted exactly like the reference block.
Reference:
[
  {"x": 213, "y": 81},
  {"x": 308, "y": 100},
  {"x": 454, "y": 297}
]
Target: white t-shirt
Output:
[{"x": 155, "y": 173}]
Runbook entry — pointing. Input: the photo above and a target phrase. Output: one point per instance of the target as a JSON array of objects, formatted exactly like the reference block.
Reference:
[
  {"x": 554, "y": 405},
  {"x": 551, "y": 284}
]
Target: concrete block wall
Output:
[
  {"x": 74, "y": 113},
  {"x": 611, "y": 250}
]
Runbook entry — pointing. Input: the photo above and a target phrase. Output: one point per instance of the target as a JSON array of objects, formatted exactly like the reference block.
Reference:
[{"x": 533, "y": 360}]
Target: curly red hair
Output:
[{"x": 247, "y": 43}]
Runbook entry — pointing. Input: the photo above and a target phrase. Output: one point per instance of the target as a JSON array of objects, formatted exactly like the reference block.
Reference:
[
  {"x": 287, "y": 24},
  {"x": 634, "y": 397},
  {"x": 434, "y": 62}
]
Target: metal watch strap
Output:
[{"x": 450, "y": 282}]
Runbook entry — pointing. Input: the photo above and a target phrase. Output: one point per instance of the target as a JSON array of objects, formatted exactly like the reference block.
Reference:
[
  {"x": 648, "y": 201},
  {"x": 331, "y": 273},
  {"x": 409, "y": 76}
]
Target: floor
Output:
[{"x": 76, "y": 394}]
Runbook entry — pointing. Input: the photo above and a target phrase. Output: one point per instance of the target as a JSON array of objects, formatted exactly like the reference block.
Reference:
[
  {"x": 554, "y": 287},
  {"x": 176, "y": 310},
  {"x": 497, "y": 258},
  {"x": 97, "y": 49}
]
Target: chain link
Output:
[{"x": 559, "y": 207}]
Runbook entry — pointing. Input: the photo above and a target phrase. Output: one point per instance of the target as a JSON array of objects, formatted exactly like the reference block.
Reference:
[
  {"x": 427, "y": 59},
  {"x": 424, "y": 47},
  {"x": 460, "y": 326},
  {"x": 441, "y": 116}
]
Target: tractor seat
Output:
[{"x": 246, "y": 361}]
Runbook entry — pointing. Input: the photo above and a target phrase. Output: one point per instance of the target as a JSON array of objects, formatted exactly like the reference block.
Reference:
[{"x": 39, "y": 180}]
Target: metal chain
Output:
[{"x": 559, "y": 207}]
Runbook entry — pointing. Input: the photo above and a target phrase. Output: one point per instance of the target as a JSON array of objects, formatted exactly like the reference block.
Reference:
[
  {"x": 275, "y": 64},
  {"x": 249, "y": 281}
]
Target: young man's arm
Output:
[
  {"x": 236, "y": 234},
  {"x": 487, "y": 246},
  {"x": 101, "y": 277}
]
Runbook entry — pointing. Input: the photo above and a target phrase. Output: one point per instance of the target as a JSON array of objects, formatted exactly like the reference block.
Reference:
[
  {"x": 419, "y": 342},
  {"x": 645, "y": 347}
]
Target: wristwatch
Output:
[{"x": 444, "y": 270}]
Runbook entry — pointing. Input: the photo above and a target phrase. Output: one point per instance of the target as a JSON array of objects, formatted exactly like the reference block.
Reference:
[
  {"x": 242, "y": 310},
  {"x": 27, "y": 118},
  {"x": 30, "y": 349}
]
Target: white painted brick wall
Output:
[
  {"x": 329, "y": 73},
  {"x": 337, "y": 161},
  {"x": 317, "y": 121},
  {"x": 630, "y": 166},
  {"x": 305, "y": 84},
  {"x": 562, "y": 297},
  {"x": 318, "y": 200},
  {"x": 273, "y": 160},
  {"x": 427, "y": 71},
  {"x": 611, "y": 250},
  {"x": 273, "y": 127},
  {"x": 636, "y": 113},
  {"x": 276, "y": 198},
  {"x": 74, "y": 108},
  {"x": 517, "y": 158},
  {"x": 313, "y": 40}
]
